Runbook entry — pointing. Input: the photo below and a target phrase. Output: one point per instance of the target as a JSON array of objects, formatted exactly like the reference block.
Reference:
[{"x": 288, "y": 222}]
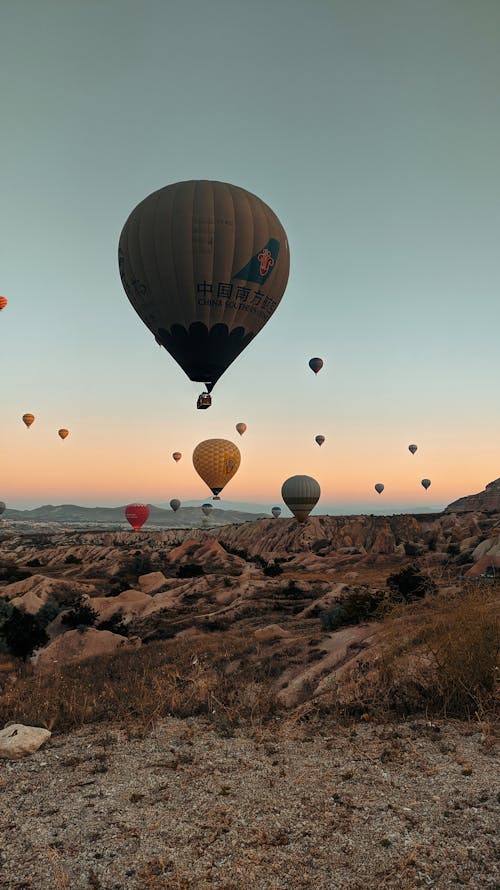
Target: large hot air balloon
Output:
[
  {"x": 205, "y": 265},
  {"x": 319, "y": 439},
  {"x": 207, "y": 509},
  {"x": 3, "y": 303},
  {"x": 315, "y": 364},
  {"x": 3, "y": 507},
  {"x": 28, "y": 419},
  {"x": 426, "y": 483},
  {"x": 412, "y": 448},
  {"x": 177, "y": 456},
  {"x": 137, "y": 515},
  {"x": 379, "y": 487},
  {"x": 276, "y": 511},
  {"x": 240, "y": 428},
  {"x": 300, "y": 494},
  {"x": 63, "y": 433},
  {"x": 216, "y": 461},
  {"x": 175, "y": 504}
]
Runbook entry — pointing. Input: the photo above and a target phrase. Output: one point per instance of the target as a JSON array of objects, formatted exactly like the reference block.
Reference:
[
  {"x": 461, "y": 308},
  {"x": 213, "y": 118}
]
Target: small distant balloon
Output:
[
  {"x": 3, "y": 303},
  {"x": 426, "y": 483},
  {"x": 2, "y": 507},
  {"x": 177, "y": 456},
  {"x": 175, "y": 504},
  {"x": 63, "y": 434},
  {"x": 300, "y": 494},
  {"x": 241, "y": 427},
  {"x": 207, "y": 509},
  {"x": 28, "y": 419},
  {"x": 315, "y": 364},
  {"x": 276, "y": 511},
  {"x": 319, "y": 440},
  {"x": 379, "y": 487},
  {"x": 136, "y": 514},
  {"x": 412, "y": 448}
]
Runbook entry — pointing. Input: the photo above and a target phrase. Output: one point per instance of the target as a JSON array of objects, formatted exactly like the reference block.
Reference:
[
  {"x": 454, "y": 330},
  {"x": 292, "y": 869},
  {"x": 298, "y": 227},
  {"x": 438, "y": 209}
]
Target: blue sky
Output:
[{"x": 373, "y": 131}]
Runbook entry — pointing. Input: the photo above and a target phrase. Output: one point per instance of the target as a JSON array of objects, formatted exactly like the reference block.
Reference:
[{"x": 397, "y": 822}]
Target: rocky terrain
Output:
[
  {"x": 197, "y": 686},
  {"x": 486, "y": 501}
]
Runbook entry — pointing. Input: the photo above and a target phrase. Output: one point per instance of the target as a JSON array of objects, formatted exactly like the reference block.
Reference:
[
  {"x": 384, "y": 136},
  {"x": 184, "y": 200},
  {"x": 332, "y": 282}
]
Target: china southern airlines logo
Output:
[{"x": 262, "y": 263}]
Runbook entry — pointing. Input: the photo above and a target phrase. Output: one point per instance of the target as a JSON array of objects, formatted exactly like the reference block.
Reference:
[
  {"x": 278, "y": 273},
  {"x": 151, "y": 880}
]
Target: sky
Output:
[{"x": 372, "y": 129}]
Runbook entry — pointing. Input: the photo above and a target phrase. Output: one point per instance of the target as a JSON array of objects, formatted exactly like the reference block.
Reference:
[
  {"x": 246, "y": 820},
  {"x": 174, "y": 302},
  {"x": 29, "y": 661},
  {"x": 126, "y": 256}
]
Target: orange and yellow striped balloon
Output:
[{"x": 63, "y": 433}]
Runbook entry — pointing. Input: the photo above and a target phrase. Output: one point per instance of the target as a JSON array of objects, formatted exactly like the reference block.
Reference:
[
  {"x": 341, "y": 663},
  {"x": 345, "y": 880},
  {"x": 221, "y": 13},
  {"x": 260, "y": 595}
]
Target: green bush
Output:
[
  {"x": 190, "y": 570},
  {"x": 80, "y": 616},
  {"x": 410, "y": 584},
  {"x": 20, "y": 632},
  {"x": 361, "y": 604}
]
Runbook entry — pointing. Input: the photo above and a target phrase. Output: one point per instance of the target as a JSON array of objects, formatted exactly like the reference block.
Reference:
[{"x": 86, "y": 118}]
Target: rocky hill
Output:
[{"x": 487, "y": 501}]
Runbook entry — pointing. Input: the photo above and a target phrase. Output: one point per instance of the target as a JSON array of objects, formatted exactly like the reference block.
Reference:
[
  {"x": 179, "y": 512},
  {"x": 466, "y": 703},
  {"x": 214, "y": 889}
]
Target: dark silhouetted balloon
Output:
[
  {"x": 204, "y": 264},
  {"x": 319, "y": 439},
  {"x": 137, "y": 514},
  {"x": 300, "y": 494},
  {"x": 412, "y": 448},
  {"x": 175, "y": 504},
  {"x": 63, "y": 434},
  {"x": 28, "y": 419},
  {"x": 241, "y": 427},
  {"x": 379, "y": 487},
  {"x": 2, "y": 507},
  {"x": 426, "y": 483},
  {"x": 207, "y": 509},
  {"x": 177, "y": 456},
  {"x": 315, "y": 364},
  {"x": 276, "y": 511}
]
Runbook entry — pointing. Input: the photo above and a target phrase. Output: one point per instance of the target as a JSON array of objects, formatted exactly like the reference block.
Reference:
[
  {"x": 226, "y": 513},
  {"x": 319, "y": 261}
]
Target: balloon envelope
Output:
[
  {"x": 315, "y": 364},
  {"x": 175, "y": 504},
  {"x": 137, "y": 515},
  {"x": 28, "y": 419},
  {"x": 276, "y": 511},
  {"x": 63, "y": 433},
  {"x": 3, "y": 303},
  {"x": 204, "y": 264},
  {"x": 412, "y": 448},
  {"x": 207, "y": 509},
  {"x": 241, "y": 427},
  {"x": 319, "y": 439},
  {"x": 300, "y": 494},
  {"x": 2, "y": 507},
  {"x": 426, "y": 483},
  {"x": 379, "y": 487},
  {"x": 216, "y": 461},
  {"x": 177, "y": 456}
]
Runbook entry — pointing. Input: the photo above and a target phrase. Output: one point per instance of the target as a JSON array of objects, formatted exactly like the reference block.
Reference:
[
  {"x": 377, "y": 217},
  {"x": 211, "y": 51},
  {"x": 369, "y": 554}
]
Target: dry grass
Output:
[
  {"x": 441, "y": 655},
  {"x": 220, "y": 676}
]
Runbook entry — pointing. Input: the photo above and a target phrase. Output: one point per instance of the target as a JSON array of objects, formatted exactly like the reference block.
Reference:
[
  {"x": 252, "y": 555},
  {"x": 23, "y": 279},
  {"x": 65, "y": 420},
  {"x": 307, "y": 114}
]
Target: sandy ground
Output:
[{"x": 183, "y": 805}]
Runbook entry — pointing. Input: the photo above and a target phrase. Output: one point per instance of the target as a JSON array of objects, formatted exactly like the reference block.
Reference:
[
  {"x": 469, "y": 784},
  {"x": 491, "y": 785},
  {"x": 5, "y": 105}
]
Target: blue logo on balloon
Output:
[{"x": 259, "y": 268}]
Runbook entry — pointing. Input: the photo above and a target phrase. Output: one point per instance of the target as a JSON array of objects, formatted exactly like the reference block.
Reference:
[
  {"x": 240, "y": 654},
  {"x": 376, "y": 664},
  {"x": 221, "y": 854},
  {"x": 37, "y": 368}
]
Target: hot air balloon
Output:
[
  {"x": 379, "y": 487},
  {"x": 177, "y": 456},
  {"x": 3, "y": 303},
  {"x": 137, "y": 515},
  {"x": 319, "y": 439},
  {"x": 205, "y": 265},
  {"x": 2, "y": 507},
  {"x": 207, "y": 509},
  {"x": 63, "y": 433},
  {"x": 426, "y": 483},
  {"x": 300, "y": 494},
  {"x": 28, "y": 419},
  {"x": 315, "y": 364},
  {"x": 175, "y": 504},
  {"x": 276, "y": 511},
  {"x": 241, "y": 427},
  {"x": 412, "y": 448},
  {"x": 216, "y": 461}
]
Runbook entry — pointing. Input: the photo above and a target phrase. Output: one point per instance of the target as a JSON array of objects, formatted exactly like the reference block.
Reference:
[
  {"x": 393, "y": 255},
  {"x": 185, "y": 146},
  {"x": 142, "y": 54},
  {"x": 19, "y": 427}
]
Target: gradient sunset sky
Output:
[{"x": 372, "y": 129}]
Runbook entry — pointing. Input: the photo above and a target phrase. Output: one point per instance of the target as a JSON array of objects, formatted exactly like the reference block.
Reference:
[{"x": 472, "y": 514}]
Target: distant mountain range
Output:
[{"x": 185, "y": 517}]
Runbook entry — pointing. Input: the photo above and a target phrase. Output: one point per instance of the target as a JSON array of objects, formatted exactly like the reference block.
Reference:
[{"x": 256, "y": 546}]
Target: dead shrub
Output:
[
  {"x": 441, "y": 655},
  {"x": 214, "y": 676}
]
